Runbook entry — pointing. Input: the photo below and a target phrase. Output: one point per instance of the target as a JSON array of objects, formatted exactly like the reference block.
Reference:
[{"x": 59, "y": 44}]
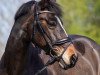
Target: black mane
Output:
[{"x": 26, "y": 8}]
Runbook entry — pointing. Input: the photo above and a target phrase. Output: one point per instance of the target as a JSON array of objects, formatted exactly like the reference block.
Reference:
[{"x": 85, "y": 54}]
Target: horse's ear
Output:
[
  {"x": 48, "y": 0},
  {"x": 53, "y": 0},
  {"x": 44, "y": 1}
]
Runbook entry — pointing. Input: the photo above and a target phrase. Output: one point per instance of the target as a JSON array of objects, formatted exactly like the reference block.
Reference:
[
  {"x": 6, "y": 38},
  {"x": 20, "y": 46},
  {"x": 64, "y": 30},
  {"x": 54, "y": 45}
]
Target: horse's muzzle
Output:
[{"x": 73, "y": 61}]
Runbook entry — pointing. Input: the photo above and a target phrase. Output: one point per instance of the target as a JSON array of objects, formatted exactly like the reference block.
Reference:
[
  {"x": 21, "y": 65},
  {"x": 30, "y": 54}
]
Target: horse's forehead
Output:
[{"x": 44, "y": 17}]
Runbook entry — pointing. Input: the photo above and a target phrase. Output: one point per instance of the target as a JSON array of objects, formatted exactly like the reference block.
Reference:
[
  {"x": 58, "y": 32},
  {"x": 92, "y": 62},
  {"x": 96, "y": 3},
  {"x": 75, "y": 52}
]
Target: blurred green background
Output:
[{"x": 82, "y": 17}]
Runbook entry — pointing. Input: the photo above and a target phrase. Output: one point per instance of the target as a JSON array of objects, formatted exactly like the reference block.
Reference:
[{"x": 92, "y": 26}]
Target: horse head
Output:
[{"x": 47, "y": 32}]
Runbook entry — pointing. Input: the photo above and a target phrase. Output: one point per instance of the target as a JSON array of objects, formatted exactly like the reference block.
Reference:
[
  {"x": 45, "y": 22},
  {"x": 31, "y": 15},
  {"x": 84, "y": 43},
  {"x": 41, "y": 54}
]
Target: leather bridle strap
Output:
[
  {"x": 60, "y": 42},
  {"x": 44, "y": 34},
  {"x": 49, "y": 62},
  {"x": 52, "y": 60}
]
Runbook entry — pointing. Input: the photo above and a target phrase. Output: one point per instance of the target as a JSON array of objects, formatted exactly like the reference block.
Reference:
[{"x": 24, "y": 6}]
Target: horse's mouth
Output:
[{"x": 65, "y": 66}]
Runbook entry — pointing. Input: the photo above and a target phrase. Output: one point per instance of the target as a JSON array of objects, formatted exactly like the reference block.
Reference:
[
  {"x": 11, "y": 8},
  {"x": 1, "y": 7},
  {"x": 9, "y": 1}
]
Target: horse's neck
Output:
[
  {"x": 14, "y": 56},
  {"x": 34, "y": 61},
  {"x": 22, "y": 63},
  {"x": 12, "y": 63}
]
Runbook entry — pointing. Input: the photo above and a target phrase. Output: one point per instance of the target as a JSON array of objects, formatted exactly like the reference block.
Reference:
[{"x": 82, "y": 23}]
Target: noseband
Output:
[{"x": 44, "y": 34}]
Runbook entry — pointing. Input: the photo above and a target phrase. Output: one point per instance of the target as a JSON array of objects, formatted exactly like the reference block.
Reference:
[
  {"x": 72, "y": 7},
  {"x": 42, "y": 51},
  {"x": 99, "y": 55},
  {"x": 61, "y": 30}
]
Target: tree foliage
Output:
[{"x": 82, "y": 17}]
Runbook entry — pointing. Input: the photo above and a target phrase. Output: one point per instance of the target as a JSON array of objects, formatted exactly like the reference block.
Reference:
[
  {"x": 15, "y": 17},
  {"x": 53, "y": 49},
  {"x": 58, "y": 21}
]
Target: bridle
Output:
[{"x": 44, "y": 34}]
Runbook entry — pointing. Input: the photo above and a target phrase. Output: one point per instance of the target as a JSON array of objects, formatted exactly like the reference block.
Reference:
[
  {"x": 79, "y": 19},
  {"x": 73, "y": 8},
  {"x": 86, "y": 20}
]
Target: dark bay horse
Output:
[
  {"x": 88, "y": 59},
  {"x": 38, "y": 23},
  {"x": 38, "y": 26}
]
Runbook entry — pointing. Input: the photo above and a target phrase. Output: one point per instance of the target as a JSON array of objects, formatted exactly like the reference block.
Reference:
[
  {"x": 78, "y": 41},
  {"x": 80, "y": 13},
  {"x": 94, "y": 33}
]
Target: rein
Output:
[{"x": 53, "y": 58}]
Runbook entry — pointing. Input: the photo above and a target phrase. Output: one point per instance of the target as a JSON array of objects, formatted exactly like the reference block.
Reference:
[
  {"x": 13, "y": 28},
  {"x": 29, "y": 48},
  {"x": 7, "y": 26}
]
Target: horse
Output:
[
  {"x": 88, "y": 62},
  {"x": 38, "y": 23},
  {"x": 31, "y": 43}
]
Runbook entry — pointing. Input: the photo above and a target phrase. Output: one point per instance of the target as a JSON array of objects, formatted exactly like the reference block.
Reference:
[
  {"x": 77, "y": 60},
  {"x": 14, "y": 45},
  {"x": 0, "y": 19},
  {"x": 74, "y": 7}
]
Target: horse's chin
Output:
[{"x": 65, "y": 67}]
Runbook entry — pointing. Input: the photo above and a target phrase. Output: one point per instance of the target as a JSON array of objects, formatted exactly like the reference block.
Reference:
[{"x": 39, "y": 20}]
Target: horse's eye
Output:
[{"x": 52, "y": 23}]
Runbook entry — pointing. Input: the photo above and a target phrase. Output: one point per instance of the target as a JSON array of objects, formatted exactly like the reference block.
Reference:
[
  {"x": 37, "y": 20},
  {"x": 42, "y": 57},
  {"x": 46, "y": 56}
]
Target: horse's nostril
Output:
[
  {"x": 73, "y": 60},
  {"x": 74, "y": 57}
]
